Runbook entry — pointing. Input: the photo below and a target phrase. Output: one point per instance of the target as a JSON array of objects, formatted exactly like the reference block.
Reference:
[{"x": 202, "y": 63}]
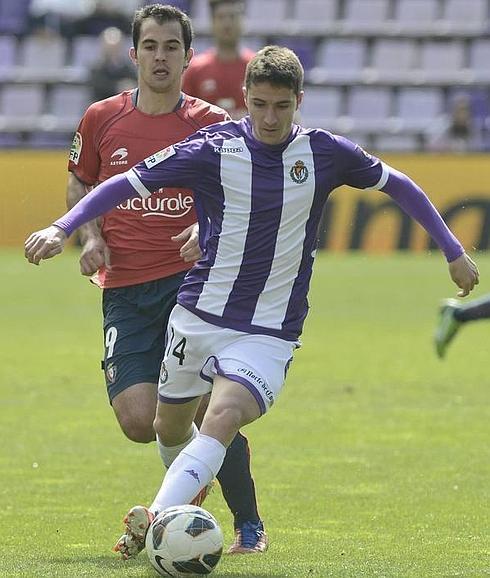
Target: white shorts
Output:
[{"x": 196, "y": 351}]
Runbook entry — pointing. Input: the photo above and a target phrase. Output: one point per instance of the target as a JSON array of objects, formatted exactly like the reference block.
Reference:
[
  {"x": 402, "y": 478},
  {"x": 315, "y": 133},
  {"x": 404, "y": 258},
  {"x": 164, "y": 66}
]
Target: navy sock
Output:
[
  {"x": 237, "y": 483},
  {"x": 476, "y": 309}
]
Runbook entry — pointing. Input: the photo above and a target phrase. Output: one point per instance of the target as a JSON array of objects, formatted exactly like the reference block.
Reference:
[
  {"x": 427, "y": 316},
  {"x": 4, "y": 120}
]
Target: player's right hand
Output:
[
  {"x": 94, "y": 255},
  {"x": 44, "y": 244}
]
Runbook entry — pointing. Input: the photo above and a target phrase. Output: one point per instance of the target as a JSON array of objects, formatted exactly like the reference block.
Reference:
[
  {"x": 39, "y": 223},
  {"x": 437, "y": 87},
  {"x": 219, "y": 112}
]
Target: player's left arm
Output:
[
  {"x": 359, "y": 169},
  {"x": 413, "y": 200}
]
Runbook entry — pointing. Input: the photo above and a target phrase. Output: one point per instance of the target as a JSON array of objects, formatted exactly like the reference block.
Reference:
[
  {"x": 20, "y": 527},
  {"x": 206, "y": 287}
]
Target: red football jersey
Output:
[
  {"x": 218, "y": 81},
  {"x": 114, "y": 135}
]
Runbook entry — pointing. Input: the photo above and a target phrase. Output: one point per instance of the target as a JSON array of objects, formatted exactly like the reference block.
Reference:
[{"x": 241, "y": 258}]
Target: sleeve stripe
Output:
[
  {"x": 137, "y": 185},
  {"x": 383, "y": 179}
]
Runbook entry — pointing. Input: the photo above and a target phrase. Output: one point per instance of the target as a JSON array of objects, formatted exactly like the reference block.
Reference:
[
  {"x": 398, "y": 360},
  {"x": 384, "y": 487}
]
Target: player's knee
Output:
[
  {"x": 229, "y": 418},
  {"x": 137, "y": 430}
]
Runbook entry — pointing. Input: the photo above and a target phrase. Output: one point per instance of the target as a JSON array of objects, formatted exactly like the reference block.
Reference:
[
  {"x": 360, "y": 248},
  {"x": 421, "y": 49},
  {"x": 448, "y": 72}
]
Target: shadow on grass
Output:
[{"x": 104, "y": 565}]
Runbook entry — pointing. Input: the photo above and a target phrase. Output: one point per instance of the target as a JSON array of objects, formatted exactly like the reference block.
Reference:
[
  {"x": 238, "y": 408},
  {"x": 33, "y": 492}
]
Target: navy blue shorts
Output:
[{"x": 135, "y": 322}]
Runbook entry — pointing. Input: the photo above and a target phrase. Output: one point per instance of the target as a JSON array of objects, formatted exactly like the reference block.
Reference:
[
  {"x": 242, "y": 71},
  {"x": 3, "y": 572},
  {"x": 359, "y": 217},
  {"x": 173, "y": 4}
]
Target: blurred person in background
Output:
[
  {"x": 458, "y": 132},
  {"x": 217, "y": 74},
  {"x": 104, "y": 14},
  {"x": 453, "y": 315},
  {"x": 113, "y": 73},
  {"x": 57, "y": 15},
  {"x": 140, "y": 252}
]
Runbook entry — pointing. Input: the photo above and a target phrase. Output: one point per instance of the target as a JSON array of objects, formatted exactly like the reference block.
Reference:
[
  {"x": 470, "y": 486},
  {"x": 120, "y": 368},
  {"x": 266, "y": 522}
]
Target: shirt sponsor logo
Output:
[
  {"x": 158, "y": 157},
  {"x": 228, "y": 150},
  {"x": 119, "y": 155},
  {"x": 160, "y": 206},
  {"x": 299, "y": 173},
  {"x": 259, "y": 381},
  {"x": 76, "y": 148}
]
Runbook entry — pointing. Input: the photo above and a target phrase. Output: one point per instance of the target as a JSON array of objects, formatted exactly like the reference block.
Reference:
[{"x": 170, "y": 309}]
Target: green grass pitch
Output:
[{"x": 374, "y": 462}]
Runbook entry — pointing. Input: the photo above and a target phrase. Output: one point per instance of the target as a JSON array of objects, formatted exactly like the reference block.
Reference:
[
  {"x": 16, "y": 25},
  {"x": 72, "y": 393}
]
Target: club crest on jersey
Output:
[
  {"x": 110, "y": 373},
  {"x": 76, "y": 148},
  {"x": 163, "y": 374},
  {"x": 299, "y": 172},
  {"x": 158, "y": 157}
]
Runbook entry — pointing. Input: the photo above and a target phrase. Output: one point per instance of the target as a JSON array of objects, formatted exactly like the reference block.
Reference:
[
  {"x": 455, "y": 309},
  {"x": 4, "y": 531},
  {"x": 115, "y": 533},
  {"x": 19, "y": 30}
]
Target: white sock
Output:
[
  {"x": 169, "y": 453},
  {"x": 191, "y": 471}
]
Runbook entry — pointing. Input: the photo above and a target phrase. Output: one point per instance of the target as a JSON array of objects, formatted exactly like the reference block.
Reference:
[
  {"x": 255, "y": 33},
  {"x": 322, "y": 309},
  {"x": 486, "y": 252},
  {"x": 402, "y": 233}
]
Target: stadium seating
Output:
[
  {"x": 265, "y": 17},
  {"x": 8, "y": 50},
  {"x": 392, "y": 60},
  {"x": 415, "y": 17},
  {"x": 382, "y": 70},
  {"x": 20, "y": 106},
  {"x": 313, "y": 17},
  {"x": 362, "y": 16},
  {"x": 339, "y": 61},
  {"x": 322, "y": 107}
]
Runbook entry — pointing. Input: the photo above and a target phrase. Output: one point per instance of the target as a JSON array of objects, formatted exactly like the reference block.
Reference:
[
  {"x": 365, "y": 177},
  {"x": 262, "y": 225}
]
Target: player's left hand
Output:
[
  {"x": 464, "y": 273},
  {"x": 44, "y": 244},
  {"x": 190, "y": 250}
]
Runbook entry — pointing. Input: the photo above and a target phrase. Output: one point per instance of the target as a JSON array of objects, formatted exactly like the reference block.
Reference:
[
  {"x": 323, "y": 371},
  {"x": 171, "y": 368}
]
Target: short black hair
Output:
[
  {"x": 277, "y": 65},
  {"x": 162, "y": 13}
]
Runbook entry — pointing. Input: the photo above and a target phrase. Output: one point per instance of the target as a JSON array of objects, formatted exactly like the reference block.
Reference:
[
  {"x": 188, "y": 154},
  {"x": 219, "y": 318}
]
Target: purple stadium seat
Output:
[
  {"x": 396, "y": 143},
  {"x": 339, "y": 60},
  {"x": 392, "y": 59},
  {"x": 465, "y": 17},
  {"x": 321, "y": 108},
  {"x": 8, "y": 56},
  {"x": 14, "y": 16},
  {"x": 442, "y": 61},
  {"x": 313, "y": 16},
  {"x": 66, "y": 104},
  {"x": 265, "y": 17},
  {"x": 416, "y": 17},
  {"x": 479, "y": 59},
  {"x": 369, "y": 108},
  {"x": 21, "y": 106},
  {"x": 418, "y": 108},
  {"x": 365, "y": 16}
]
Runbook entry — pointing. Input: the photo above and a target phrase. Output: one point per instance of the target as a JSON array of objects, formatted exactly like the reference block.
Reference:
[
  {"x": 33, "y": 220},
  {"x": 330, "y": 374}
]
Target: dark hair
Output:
[
  {"x": 213, "y": 4},
  {"x": 277, "y": 65},
  {"x": 162, "y": 13}
]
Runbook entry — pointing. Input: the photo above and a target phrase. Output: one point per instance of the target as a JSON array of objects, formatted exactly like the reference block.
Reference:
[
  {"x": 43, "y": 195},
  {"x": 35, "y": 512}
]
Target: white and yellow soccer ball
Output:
[{"x": 184, "y": 540}]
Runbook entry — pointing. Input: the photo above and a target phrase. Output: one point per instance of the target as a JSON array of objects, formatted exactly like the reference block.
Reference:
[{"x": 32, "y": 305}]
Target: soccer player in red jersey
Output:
[
  {"x": 140, "y": 251},
  {"x": 217, "y": 74}
]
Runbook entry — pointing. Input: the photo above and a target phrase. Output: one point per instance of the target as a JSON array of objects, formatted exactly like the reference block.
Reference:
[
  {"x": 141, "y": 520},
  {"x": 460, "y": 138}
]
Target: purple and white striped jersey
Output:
[{"x": 258, "y": 208}]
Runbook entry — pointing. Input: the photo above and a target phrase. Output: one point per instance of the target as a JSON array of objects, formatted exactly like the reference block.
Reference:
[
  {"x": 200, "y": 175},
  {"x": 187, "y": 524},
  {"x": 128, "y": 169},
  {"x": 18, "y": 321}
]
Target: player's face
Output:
[
  {"x": 272, "y": 110},
  {"x": 160, "y": 55},
  {"x": 227, "y": 24}
]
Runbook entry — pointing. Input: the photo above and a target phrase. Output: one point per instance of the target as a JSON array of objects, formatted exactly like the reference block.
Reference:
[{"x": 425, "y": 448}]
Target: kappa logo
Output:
[
  {"x": 299, "y": 172},
  {"x": 228, "y": 150},
  {"x": 194, "y": 474},
  {"x": 119, "y": 155}
]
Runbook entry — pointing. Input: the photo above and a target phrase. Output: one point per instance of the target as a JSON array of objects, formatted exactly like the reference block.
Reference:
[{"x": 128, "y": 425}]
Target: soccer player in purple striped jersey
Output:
[{"x": 260, "y": 185}]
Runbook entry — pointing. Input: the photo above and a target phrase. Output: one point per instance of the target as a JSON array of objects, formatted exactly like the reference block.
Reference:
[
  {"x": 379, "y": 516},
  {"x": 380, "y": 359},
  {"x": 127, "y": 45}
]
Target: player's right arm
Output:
[
  {"x": 177, "y": 165},
  {"x": 95, "y": 253}
]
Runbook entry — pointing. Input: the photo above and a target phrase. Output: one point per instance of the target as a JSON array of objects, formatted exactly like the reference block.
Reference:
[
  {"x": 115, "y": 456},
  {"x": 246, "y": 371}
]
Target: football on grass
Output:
[{"x": 184, "y": 540}]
